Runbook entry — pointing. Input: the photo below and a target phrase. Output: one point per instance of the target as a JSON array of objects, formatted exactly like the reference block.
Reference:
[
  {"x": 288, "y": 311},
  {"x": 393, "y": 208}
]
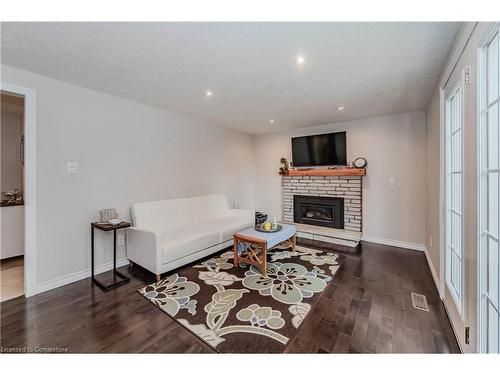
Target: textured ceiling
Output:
[{"x": 369, "y": 68}]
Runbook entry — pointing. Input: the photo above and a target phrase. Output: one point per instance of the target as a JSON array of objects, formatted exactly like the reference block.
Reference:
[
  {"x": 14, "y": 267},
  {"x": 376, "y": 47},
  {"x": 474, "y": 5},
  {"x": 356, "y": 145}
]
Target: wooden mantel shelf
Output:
[{"x": 328, "y": 172}]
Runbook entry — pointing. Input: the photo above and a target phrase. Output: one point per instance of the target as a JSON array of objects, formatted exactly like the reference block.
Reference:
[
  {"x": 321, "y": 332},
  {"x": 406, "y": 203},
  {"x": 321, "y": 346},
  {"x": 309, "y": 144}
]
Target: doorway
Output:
[
  {"x": 12, "y": 196},
  {"x": 29, "y": 183}
]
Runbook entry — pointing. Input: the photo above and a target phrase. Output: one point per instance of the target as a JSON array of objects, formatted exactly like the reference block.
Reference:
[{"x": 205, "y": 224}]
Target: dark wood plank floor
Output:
[{"x": 367, "y": 309}]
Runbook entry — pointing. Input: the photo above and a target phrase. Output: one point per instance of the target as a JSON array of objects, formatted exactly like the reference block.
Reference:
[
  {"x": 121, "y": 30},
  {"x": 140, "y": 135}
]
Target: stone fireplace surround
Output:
[{"x": 347, "y": 187}]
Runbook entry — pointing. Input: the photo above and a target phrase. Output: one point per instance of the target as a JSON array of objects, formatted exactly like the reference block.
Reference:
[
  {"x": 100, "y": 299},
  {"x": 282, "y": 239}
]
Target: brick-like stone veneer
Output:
[{"x": 347, "y": 187}]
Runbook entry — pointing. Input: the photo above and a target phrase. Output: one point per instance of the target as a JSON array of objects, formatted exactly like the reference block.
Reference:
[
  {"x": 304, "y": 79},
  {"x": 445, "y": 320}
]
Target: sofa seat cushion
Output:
[
  {"x": 182, "y": 242},
  {"x": 227, "y": 226}
]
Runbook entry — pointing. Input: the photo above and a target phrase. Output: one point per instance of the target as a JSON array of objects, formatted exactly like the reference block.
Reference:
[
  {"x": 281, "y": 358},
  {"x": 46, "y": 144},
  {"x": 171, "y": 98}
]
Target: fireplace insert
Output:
[{"x": 322, "y": 211}]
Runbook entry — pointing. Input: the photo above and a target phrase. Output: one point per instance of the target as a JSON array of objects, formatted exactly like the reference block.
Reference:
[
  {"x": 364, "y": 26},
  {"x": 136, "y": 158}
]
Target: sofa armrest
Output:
[
  {"x": 246, "y": 213},
  {"x": 144, "y": 247}
]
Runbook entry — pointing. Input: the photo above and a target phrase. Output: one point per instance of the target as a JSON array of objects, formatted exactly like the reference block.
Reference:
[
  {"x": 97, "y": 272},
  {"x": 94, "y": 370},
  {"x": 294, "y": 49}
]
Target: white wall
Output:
[
  {"x": 126, "y": 152},
  {"x": 393, "y": 145}
]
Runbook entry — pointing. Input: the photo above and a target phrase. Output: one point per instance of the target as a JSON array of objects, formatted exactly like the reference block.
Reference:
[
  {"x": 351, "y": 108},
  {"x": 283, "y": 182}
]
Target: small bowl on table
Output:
[{"x": 273, "y": 228}]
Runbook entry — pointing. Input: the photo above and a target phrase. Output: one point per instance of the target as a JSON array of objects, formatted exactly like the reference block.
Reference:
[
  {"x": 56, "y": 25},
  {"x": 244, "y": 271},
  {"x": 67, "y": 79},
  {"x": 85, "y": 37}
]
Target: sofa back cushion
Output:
[
  {"x": 209, "y": 207},
  {"x": 163, "y": 215}
]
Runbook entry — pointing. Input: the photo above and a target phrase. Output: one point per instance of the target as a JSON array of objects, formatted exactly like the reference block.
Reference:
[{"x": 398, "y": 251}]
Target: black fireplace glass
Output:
[{"x": 322, "y": 211}]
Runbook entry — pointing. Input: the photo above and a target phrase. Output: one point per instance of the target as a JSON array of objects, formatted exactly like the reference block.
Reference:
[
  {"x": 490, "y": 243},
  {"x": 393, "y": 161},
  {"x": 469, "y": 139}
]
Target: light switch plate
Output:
[
  {"x": 392, "y": 184},
  {"x": 71, "y": 167}
]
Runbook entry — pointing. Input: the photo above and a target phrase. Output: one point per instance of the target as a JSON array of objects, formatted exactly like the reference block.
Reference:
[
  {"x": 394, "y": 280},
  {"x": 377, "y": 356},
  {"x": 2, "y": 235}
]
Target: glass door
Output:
[
  {"x": 458, "y": 206},
  {"x": 489, "y": 181},
  {"x": 454, "y": 109}
]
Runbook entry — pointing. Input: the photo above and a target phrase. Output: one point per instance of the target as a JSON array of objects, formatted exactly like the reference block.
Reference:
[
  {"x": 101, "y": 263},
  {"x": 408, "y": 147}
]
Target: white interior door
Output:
[{"x": 489, "y": 193}]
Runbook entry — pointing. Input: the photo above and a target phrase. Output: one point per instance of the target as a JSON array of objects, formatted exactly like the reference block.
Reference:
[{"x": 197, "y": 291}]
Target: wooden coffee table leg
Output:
[
  {"x": 263, "y": 267},
  {"x": 235, "y": 250},
  {"x": 294, "y": 242}
]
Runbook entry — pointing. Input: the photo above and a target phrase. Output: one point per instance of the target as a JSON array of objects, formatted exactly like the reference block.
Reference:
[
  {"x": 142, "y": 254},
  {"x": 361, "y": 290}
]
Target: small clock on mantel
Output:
[{"x": 360, "y": 163}]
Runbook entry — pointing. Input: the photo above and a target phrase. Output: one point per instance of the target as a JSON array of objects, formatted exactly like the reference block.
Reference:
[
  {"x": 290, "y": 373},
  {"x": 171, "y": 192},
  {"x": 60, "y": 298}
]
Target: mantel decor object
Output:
[
  {"x": 284, "y": 166},
  {"x": 360, "y": 162}
]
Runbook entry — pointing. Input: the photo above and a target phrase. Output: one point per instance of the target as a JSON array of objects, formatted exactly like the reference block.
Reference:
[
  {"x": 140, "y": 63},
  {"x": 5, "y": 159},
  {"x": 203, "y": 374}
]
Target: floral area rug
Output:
[{"x": 237, "y": 309}]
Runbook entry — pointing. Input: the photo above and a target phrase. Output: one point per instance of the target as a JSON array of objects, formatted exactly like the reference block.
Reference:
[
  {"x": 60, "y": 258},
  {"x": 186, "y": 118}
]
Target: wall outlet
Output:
[
  {"x": 392, "y": 184},
  {"x": 120, "y": 239}
]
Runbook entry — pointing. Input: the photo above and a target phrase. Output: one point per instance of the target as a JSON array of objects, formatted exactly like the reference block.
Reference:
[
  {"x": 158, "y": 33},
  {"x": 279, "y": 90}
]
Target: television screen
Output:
[{"x": 317, "y": 150}]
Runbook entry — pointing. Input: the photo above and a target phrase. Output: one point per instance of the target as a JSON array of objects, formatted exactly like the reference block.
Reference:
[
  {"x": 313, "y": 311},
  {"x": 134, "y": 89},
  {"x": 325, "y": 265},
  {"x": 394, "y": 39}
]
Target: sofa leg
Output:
[{"x": 158, "y": 277}]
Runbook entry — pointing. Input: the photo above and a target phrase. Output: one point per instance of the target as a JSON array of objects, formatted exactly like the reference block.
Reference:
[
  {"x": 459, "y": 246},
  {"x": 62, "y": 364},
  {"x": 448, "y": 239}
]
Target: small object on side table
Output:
[
  {"x": 108, "y": 214},
  {"x": 106, "y": 228}
]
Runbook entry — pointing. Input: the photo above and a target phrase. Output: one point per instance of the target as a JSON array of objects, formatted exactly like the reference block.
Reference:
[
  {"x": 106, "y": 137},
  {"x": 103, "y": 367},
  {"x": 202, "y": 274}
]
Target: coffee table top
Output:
[{"x": 272, "y": 239}]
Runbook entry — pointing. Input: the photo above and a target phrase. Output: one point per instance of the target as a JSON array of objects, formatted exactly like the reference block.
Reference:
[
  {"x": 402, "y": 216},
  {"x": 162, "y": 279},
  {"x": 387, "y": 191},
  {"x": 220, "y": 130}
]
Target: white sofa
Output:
[{"x": 171, "y": 233}]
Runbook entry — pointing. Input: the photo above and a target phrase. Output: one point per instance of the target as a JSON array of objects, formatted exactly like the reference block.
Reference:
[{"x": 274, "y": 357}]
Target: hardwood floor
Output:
[{"x": 367, "y": 309}]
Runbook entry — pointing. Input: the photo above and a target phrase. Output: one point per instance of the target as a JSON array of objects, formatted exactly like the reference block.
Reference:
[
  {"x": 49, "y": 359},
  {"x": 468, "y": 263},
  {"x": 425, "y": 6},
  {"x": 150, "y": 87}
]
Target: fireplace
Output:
[
  {"x": 347, "y": 188},
  {"x": 322, "y": 211}
]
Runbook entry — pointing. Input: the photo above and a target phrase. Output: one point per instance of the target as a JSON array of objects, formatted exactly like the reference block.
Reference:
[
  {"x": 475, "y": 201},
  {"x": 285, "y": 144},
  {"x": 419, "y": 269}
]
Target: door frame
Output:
[
  {"x": 464, "y": 39},
  {"x": 485, "y": 33},
  {"x": 464, "y": 35},
  {"x": 457, "y": 315},
  {"x": 442, "y": 211},
  {"x": 30, "y": 231}
]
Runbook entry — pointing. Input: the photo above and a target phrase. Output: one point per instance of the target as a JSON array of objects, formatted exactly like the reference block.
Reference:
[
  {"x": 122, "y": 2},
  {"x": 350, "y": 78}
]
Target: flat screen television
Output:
[{"x": 319, "y": 150}]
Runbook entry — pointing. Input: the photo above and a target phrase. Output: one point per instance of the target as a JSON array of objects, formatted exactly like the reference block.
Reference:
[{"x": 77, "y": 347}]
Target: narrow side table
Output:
[{"x": 107, "y": 228}]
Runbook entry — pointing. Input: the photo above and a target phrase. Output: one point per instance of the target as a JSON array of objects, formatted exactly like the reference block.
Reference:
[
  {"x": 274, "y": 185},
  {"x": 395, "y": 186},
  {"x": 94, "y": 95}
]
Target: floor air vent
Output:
[{"x": 419, "y": 301}]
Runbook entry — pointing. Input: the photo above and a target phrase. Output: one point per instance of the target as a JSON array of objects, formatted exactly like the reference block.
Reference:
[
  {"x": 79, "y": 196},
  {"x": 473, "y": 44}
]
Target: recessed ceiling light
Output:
[
  {"x": 340, "y": 108},
  {"x": 272, "y": 121},
  {"x": 208, "y": 93},
  {"x": 301, "y": 60}
]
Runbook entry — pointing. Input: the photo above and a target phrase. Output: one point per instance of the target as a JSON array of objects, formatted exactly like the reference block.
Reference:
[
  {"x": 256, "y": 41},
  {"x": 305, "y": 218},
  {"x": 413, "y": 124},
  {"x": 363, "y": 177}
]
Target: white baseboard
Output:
[
  {"x": 433, "y": 272},
  {"x": 396, "y": 243},
  {"x": 77, "y": 276}
]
